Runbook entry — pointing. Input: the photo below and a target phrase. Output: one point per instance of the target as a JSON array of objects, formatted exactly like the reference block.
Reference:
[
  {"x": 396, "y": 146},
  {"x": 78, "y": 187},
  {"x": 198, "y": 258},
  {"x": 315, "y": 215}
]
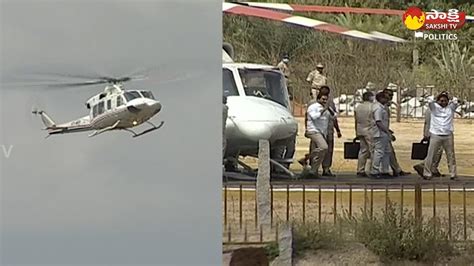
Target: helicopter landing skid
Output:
[
  {"x": 97, "y": 132},
  {"x": 146, "y": 131}
]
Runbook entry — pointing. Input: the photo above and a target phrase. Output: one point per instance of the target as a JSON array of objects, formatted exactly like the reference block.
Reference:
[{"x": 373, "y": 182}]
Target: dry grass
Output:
[
  {"x": 377, "y": 201},
  {"x": 406, "y": 132}
]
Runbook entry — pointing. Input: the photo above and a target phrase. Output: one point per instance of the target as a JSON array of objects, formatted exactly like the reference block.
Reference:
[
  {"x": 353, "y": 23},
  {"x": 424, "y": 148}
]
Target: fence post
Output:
[
  {"x": 418, "y": 202},
  {"x": 263, "y": 184}
]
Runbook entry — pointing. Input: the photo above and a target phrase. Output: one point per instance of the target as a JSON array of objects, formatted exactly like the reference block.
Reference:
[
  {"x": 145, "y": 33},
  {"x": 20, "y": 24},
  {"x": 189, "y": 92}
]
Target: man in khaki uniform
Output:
[
  {"x": 317, "y": 79},
  {"x": 283, "y": 66},
  {"x": 381, "y": 137},
  {"x": 396, "y": 169},
  {"x": 437, "y": 158},
  {"x": 364, "y": 126}
]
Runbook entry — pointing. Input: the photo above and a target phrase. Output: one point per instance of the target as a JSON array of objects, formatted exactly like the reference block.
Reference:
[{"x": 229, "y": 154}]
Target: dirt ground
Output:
[
  {"x": 358, "y": 254},
  {"x": 406, "y": 133}
]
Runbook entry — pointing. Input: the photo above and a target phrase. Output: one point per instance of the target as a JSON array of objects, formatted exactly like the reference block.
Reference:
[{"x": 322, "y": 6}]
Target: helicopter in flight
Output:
[{"x": 113, "y": 109}]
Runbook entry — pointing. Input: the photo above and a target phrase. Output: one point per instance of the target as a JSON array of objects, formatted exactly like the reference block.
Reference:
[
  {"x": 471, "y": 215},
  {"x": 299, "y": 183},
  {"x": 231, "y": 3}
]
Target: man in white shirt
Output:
[
  {"x": 333, "y": 124},
  {"x": 381, "y": 137},
  {"x": 306, "y": 159},
  {"x": 441, "y": 134},
  {"x": 426, "y": 136},
  {"x": 318, "y": 116}
]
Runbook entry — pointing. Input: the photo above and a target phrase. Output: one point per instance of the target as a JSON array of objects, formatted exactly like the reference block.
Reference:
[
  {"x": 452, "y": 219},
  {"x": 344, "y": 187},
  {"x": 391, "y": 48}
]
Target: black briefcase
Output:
[
  {"x": 351, "y": 149},
  {"x": 419, "y": 150}
]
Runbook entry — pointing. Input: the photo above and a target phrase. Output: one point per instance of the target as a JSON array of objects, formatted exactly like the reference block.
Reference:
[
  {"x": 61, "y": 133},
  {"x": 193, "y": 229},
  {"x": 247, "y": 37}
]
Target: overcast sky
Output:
[{"x": 112, "y": 199}]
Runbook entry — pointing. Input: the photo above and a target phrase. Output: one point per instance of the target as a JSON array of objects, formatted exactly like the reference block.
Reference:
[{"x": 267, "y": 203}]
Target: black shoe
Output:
[
  {"x": 437, "y": 174},
  {"x": 403, "y": 173},
  {"x": 454, "y": 178},
  {"x": 328, "y": 173},
  {"x": 418, "y": 169},
  {"x": 362, "y": 174},
  {"x": 385, "y": 175},
  {"x": 372, "y": 176},
  {"x": 309, "y": 174},
  {"x": 303, "y": 162}
]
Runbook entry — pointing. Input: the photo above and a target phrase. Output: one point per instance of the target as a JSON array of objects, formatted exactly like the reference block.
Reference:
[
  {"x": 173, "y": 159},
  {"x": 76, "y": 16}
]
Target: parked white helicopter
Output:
[
  {"x": 112, "y": 109},
  {"x": 259, "y": 108}
]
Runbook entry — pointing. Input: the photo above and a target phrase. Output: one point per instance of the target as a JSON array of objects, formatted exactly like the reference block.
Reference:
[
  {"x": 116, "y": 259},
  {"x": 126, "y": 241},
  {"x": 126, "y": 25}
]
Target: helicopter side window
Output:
[
  {"x": 119, "y": 101},
  {"x": 109, "y": 104},
  {"x": 95, "y": 110},
  {"x": 148, "y": 94},
  {"x": 265, "y": 84},
  {"x": 101, "y": 107},
  {"x": 229, "y": 87},
  {"x": 130, "y": 95}
]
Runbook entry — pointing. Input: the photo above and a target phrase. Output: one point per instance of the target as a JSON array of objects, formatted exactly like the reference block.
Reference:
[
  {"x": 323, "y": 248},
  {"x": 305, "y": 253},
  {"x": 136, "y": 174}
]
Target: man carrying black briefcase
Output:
[{"x": 421, "y": 148}]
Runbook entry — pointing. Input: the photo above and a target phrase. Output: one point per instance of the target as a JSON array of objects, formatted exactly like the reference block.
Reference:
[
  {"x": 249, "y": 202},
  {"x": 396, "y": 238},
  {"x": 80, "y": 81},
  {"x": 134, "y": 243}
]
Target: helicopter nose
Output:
[{"x": 156, "y": 106}]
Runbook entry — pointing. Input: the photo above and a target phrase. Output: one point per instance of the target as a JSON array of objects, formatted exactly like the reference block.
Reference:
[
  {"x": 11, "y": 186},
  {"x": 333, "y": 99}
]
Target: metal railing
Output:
[{"x": 451, "y": 203}]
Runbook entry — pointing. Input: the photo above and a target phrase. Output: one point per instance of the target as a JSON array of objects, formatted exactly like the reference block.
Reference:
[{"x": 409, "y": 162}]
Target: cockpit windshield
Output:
[
  {"x": 147, "y": 94},
  {"x": 266, "y": 84},
  {"x": 228, "y": 83},
  {"x": 130, "y": 95}
]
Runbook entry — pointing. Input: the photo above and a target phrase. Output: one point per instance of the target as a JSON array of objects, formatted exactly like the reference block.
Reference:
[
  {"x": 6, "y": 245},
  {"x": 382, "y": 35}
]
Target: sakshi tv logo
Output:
[{"x": 417, "y": 20}]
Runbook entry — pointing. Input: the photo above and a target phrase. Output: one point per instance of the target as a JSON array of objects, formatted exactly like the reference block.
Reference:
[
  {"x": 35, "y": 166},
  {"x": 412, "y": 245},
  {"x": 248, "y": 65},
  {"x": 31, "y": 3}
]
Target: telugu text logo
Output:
[{"x": 415, "y": 19}]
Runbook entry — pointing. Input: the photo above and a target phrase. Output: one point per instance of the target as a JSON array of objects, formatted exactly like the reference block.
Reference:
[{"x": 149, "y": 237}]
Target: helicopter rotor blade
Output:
[
  {"x": 76, "y": 84},
  {"x": 49, "y": 80},
  {"x": 54, "y": 85},
  {"x": 64, "y": 84},
  {"x": 68, "y": 76}
]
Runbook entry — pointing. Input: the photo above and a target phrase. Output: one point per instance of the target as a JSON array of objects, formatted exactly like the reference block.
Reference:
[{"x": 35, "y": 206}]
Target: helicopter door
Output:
[
  {"x": 109, "y": 104},
  {"x": 119, "y": 101},
  {"x": 95, "y": 110},
  {"x": 228, "y": 83},
  {"x": 101, "y": 107}
]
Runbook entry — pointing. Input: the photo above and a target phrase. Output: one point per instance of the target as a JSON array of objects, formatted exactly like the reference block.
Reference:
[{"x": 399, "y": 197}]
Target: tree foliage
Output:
[{"x": 351, "y": 63}]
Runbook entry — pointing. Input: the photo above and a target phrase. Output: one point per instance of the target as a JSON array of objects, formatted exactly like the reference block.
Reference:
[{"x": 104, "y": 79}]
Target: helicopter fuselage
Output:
[
  {"x": 121, "y": 108},
  {"x": 134, "y": 113}
]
